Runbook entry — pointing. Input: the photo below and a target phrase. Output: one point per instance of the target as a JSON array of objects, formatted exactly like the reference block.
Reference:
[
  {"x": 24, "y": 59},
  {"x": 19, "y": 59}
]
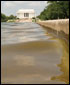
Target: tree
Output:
[
  {"x": 3, "y": 17},
  {"x": 55, "y": 10},
  {"x": 12, "y": 17}
]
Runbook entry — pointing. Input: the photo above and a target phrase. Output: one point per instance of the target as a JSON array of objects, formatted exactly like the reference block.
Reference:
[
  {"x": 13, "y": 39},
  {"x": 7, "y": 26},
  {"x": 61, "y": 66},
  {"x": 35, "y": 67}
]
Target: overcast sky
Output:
[{"x": 11, "y": 7}]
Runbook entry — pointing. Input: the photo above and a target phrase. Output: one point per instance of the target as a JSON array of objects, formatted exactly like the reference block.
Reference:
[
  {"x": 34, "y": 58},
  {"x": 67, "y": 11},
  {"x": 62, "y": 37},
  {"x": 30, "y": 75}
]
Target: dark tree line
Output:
[
  {"x": 4, "y": 18},
  {"x": 55, "y": 10}
]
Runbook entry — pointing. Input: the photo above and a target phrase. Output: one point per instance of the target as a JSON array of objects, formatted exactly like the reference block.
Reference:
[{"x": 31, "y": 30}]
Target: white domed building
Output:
[{"x": 25, "y": 13}]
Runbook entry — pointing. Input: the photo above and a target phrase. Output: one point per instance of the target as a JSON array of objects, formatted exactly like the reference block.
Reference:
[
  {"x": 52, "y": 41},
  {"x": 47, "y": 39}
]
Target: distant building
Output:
[{"x": 25, "y": 13}]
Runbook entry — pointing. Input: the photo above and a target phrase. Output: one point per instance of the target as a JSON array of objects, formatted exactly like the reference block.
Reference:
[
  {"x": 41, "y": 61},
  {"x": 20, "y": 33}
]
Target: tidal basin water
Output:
[{"x": 30, "y": 55}]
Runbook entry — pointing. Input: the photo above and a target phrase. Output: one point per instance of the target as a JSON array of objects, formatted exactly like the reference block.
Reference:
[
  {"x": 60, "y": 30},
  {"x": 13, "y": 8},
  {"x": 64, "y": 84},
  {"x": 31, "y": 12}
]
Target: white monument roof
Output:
[{"x": 26, "y": 11}]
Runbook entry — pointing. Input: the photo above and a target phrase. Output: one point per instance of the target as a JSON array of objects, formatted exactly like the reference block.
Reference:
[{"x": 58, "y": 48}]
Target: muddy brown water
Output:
[{"x": 30, "y": 55}]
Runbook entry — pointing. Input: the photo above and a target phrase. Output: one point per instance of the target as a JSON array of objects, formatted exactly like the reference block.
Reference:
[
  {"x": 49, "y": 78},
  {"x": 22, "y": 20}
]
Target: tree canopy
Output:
[
  {"x": 4, "y": 18},
  {"x": 55, "y": 10}
]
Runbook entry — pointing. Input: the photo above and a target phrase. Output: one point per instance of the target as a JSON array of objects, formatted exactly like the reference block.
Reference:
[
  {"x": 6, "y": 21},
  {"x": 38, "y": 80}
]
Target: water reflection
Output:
[
  {"x": 32, "y": 56},
  {"x": 24, "y": 60},
  {"x": 64, "y": 65},
  {"x": 21, "y": 32}
]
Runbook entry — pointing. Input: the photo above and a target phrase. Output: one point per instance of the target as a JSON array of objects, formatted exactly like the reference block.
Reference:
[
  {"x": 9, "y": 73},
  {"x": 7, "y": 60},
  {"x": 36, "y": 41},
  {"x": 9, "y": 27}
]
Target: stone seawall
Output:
[{"x": 58, "y": 25}]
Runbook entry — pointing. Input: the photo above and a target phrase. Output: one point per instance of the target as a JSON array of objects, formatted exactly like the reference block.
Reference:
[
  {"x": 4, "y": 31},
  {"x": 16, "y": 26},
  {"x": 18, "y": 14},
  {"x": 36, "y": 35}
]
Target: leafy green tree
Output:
[
  {"x": 12, "y": 17},
  {"x": 55, "y": 10},
  {"x": 3, "y": 17}
]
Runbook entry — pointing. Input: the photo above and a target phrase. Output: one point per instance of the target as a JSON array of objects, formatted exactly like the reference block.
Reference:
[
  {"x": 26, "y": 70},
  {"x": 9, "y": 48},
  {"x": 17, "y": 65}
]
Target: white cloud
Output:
[
  {"x": 12, "y": 3},
  {"x": 35, "y": 3},
  {"x": 18, "y": 2},
  {"x": 8, "y": 4},
  {"x": 29, "y": 3},
  {"x": 45, "y": 2},
  {"x": 9, "y": 7}
]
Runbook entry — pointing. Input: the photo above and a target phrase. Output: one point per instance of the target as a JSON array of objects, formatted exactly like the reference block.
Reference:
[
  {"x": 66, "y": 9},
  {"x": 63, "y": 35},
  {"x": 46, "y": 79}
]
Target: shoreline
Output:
[
  {"x": 58, "y": 25},
  {"x": 59, "y": 28}
]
